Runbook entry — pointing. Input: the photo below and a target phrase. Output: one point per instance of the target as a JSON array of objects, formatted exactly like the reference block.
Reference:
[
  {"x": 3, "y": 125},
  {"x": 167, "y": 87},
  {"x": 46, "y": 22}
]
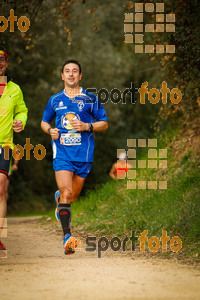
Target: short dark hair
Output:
[{"x": 71, "y": 61}]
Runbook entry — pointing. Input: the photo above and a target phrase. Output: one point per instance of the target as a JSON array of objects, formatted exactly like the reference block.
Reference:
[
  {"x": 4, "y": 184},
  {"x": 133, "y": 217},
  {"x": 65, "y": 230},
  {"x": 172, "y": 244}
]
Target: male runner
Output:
[
  {"x": 13, "y": 116},
  {"x": 77, "y": 114}
]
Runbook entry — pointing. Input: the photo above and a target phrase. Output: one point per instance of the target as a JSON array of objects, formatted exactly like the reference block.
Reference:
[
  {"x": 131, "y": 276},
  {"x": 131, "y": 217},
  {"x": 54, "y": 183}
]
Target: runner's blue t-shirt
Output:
[{"x": 73, "y": 145}]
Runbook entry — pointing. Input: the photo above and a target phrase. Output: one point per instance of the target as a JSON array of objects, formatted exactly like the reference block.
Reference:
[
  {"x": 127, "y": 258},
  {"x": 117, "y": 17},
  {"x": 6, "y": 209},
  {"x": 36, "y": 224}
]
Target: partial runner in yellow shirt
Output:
[{"x": 13, "y": 116}]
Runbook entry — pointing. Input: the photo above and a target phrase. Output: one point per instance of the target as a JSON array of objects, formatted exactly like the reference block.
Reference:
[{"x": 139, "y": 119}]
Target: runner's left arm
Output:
[
  {"x": 100, "y": 116},
  {"x": 100, "y": 126},
  {"x": 97, "y": 126}
]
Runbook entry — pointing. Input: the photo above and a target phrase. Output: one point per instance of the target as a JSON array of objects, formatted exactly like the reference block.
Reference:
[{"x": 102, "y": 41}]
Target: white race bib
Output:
[{"x": 70, "y": 139}]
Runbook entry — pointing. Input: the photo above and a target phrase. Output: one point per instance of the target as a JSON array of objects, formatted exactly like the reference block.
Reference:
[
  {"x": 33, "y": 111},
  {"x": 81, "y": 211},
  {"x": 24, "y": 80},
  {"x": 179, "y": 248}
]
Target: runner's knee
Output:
[
  {"x": 65, "y": 196},
  {"x": 2, "y": 193},
  {"x": 2, "y": 190}
]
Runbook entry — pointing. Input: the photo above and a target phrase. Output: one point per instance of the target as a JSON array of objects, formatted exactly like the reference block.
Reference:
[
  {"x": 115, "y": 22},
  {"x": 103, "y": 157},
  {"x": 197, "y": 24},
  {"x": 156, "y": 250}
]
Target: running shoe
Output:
[
  {"x": 69, "y": 244},
  {"x": 56, "y": 197}
]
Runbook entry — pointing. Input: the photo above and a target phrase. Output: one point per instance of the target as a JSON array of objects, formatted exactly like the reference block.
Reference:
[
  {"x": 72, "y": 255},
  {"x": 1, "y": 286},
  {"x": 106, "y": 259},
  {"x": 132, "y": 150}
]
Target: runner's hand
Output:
[
  {"x": 17, "y": 126},
  {"x": 78, "y": 125},
  {"x": 54, "y": 133}
]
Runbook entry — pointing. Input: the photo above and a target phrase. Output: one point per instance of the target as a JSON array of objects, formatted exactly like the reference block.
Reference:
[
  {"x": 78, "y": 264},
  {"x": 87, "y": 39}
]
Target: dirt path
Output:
[{"x": 36, "y": 268}]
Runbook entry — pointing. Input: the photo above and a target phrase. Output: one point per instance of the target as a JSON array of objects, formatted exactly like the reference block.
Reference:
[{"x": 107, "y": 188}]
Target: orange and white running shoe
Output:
[{"x": 69, "y": 244}]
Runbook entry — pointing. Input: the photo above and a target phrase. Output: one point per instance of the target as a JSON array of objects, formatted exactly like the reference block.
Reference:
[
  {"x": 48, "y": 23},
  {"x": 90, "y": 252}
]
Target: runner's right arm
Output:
[
  {"x": 54, "y": 132},
  {"x": 48, "y": 116}
]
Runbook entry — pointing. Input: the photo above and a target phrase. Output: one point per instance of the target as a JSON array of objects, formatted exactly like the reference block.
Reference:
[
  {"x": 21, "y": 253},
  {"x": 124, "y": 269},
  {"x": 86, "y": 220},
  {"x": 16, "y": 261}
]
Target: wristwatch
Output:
[{"x": 91, "y": 127}]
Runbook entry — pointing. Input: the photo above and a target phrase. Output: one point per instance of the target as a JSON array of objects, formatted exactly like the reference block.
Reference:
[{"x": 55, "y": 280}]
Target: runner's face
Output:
[
  {"x": 71, "y": 75},
  {"x": 3, "y": 65}
]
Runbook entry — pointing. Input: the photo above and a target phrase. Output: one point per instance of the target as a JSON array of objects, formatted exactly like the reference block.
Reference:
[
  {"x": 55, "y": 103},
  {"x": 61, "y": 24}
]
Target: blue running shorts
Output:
[{"x": 81, "y": 169}]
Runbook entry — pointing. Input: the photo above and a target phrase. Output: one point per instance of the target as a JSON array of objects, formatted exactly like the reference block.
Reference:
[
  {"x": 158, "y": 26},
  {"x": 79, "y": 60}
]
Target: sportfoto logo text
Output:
[
  {"x": 153, "y": 95},
  {"x": 23, "y": 23},
  {"x": 18, "y": 151},
  {"x": 152, "y": 244}
]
